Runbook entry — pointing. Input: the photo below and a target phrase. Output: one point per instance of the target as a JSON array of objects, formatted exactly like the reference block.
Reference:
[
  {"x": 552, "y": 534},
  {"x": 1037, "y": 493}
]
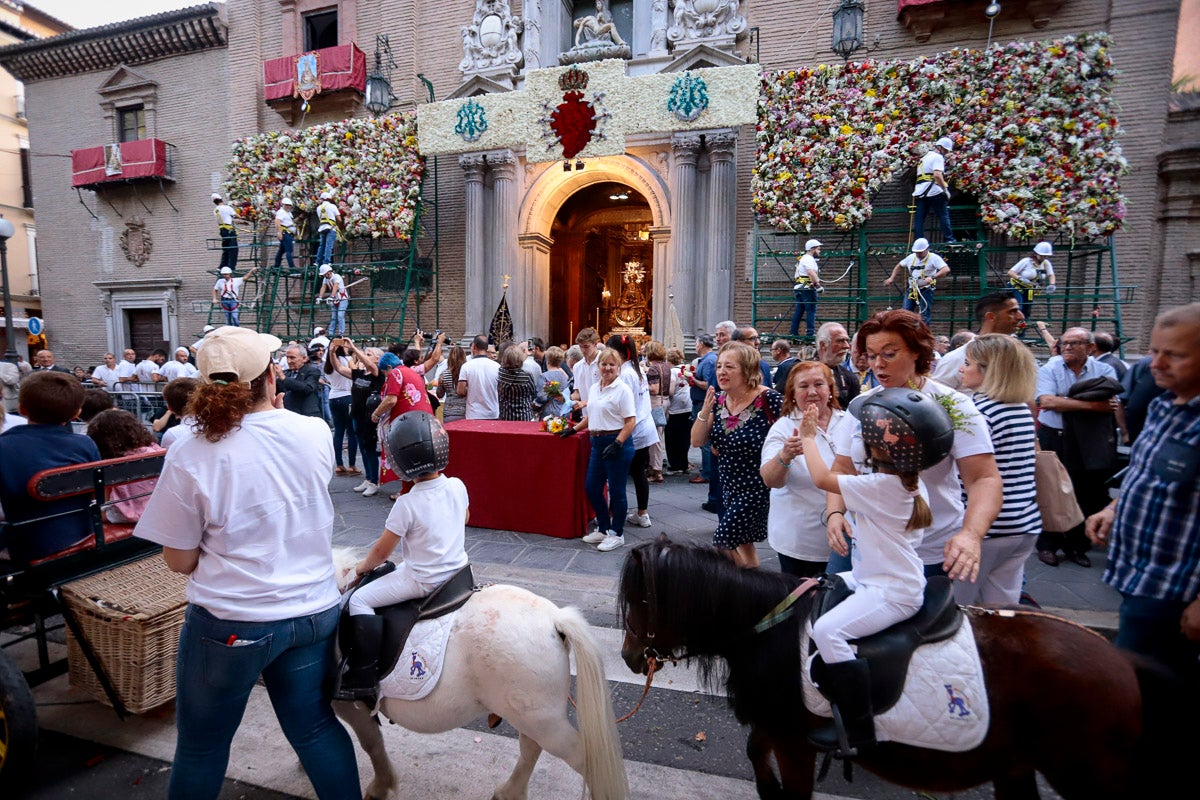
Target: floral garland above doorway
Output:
[{"x": 1034, "y": 126}]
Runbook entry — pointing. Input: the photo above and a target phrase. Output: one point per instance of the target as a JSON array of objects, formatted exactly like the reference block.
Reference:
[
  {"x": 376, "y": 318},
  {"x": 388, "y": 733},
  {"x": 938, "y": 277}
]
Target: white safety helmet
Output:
[
  {"x": 946, "y": 143},
  {"x": 325, "y": 269},
  {"x": 326, "y": 195},
  {"x": 811, "y": 243},
  {"x": 920, "y": 245},
  {"x": 287, "y": 201},
  {"x": 226, "y": 271},
  {"x": 216, "y": 196},
  {"x": 1044, "y": 249}
]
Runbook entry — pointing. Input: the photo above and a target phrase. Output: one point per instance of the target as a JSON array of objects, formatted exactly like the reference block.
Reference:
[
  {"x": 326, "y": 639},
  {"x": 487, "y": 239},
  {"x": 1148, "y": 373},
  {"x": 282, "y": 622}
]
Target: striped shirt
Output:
[
  {"x": 1155, "y": 549},
  {"x": 1013, "y": 436}
]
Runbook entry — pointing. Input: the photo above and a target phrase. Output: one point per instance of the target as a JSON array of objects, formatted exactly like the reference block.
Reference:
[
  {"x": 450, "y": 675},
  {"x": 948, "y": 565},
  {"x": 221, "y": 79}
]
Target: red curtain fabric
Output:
[
  {"x": 144, "y": 158},
  {"x": 520, "y": 478},
  {"x": 341, "y": 67}
]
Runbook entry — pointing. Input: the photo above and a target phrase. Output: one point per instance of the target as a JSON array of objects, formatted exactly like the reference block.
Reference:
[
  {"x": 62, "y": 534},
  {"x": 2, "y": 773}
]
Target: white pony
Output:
[{"x": 507, "y": 655}]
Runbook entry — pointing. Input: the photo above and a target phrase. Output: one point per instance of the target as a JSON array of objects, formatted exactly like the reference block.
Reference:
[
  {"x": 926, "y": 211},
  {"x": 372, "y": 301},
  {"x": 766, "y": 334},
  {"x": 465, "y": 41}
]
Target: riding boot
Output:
[
  {"x": 359, "y": 677},
  {"x": 847, "y": 685}
]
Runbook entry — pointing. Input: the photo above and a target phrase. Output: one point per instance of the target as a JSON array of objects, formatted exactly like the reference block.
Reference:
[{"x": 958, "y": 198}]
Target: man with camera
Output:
[{"x": 300, "y": 383}]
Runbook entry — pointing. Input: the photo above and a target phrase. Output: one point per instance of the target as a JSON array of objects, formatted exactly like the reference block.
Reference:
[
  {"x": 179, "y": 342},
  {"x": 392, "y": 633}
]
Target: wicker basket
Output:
[{"x": 131, "y": 616}]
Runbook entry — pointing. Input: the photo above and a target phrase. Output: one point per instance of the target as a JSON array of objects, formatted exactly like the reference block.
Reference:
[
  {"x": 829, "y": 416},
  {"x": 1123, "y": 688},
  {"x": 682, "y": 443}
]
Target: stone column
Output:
[
  {"x": 504, "y": 260},
  {"x": 683, "y": 273},
  {"x": 534, "y": 271},
  {"x": 476, "y": 316},
  {"x": 722, "y": 225},
  {"x": 660, "y": 241},
  {"x": 531, "y": 13}
]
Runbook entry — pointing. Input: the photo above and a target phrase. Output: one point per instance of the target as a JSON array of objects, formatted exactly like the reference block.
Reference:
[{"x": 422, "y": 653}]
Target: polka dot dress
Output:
[{"x": 738, "y": 439}]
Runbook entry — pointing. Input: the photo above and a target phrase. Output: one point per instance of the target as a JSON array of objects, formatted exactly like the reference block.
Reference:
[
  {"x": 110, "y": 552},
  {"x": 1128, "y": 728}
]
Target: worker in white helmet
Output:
[
  {"x": 328, "y": 228},
  {"x": 1033, "y": 274},
  {"x": 806, "y": 284},
  {"x": 226, "y": 215},
  {"x": 923, "y": 268},
  {"x": 931, "y": 192}
]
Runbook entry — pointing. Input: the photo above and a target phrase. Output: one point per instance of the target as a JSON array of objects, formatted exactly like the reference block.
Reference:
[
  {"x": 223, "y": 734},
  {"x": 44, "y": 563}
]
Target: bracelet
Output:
[
  {"x": 825, "y": 515},
  {"x": 786, "y": 464},
  {"x": 702, "y": 418}
]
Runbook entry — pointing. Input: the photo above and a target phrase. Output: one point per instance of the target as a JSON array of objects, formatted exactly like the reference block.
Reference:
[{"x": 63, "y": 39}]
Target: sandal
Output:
[
  {"x": 352, "y": 471},
  {"x": 340, "y": 470},
  {"x": 394, "y": 497}
]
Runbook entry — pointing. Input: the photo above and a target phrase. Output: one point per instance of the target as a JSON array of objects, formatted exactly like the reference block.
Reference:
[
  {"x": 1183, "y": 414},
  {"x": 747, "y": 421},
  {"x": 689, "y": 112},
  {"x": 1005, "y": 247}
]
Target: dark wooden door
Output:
[{"x": 145, "y": 330}]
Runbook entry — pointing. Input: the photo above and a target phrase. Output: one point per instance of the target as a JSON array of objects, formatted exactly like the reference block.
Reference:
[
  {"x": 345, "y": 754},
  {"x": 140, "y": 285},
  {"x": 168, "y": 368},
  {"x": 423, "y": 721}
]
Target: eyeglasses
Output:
[{"x": 1073, "y": 343}]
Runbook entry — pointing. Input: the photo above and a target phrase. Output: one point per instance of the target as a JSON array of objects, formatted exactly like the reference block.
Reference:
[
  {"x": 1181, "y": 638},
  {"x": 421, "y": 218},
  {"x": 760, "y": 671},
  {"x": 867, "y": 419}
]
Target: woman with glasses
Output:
[{"x": 898, "y": 348}]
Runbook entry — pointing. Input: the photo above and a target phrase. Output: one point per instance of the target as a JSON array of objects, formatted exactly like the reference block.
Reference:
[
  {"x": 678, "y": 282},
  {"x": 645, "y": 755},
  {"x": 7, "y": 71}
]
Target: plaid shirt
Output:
[{"x": 1156, "y": 536}]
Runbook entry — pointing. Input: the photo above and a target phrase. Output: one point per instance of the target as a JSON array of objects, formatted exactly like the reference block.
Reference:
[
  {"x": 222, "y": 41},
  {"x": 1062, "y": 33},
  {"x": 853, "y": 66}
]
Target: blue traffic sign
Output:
[{"x": 36, "y": 326}]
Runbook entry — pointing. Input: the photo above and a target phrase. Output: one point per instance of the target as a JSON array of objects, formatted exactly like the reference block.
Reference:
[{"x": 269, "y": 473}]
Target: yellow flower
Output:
[
  {"x": 879, "y": 127},
  {"x": 870, "y": 92},
  {"x": 1020, "y": 140},
  {"x": 846, "y": 129}
]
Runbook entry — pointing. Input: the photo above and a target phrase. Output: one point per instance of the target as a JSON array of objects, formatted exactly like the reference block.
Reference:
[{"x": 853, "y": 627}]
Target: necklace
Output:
[{"x": 741, "y": 403}]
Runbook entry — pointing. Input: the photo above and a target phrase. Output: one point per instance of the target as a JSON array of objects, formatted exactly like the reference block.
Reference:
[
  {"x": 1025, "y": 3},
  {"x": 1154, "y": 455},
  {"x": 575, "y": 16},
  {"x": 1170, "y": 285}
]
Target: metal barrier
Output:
[{"x": 146, "y": 402}]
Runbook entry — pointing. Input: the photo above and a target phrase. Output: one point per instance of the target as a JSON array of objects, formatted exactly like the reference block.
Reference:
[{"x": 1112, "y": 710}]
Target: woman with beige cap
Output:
[{"x": 242, "y": 507}]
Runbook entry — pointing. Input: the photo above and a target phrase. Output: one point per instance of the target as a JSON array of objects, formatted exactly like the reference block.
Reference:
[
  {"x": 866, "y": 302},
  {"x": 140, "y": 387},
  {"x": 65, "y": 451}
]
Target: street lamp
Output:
[
  {"x": 379, "y": 97},
  {"x": 848, "y": 28},
  {"x": 6, "y": 232},
  {"x": 991, "y": 12}
]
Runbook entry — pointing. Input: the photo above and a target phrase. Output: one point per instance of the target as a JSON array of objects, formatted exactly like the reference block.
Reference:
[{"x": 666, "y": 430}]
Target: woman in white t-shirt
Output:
[
  {"x": 610, "y": 420},
  {"x": 903, "y": 432},
  {"x": 243, "y": 509},
  {"x": 337, "y": 372},
  {"x": 645, "y": 435},
  {"x": 795, "y": 523}
]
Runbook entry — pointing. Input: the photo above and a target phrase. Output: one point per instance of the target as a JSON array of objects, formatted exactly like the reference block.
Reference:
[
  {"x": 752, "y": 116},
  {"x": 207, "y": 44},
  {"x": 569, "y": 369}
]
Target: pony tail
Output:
[
  {"x": 921, "y": 516},
  {"x": 219, "y": 407}
]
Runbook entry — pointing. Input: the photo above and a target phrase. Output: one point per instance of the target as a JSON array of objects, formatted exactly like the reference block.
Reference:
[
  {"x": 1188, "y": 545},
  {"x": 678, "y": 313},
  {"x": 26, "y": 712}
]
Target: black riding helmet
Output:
[
  {"x": 417, "y": 445},
  {"x": 910, "y": 425}
]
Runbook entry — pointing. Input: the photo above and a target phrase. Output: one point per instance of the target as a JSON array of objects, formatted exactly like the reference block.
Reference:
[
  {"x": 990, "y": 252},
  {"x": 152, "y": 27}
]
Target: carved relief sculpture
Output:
[
  {"x": 596, "y": 38},
  {"x": 136, "y": 242},
  {"x": 490, "y": 44},
  {"x": 716, "y": 23}
]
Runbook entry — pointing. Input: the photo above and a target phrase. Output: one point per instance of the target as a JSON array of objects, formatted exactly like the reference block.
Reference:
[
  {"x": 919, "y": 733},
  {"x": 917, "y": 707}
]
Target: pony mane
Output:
[
  {"x": 698, "y": 599},
  {"x": 345, "y": 559}
]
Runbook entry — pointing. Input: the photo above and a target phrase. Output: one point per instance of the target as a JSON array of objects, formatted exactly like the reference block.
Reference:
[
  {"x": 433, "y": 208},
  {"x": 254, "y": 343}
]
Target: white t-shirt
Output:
[
  {"x": 945, "y": 490},
  {"x": 335, "y": 287},
  {"x": 256, "y": 504},
  {"x": 931, "y": 265},
  {"x": 587, "y": 376},
  {"x": 482, "y": 376},
  {"x": 531, "y": 366},
  {"x": 145, "y": 373},
  {"x": 178, "y": 369},
  {"x": 610, "y": 406},
  {"x": 284, "y": 218},
  {"x": 126, "y": 369},
  {"x": 339, "y": 384},
  {"x": 644, "y": 431},
  {"x": 681, "y": 398},
  {"x": 946, "y": 370},
  {"x": 431, "y": 523},
  {"x": 110, "y": 376},
  {"x": 885, "y": 555},
  {"x": 327, "y": 210},
  {"x": 12, "y": 420},
  {"x": 807, "y": 264},
  {"x": 185, "y": 428},
  {"x": 228, "y": 288},
  {"x": 1031, "y": 271},
  {"x": 930, "y": 162},
  {"x": 794, "y": 525},
  {"x": 225, "y": 214}
]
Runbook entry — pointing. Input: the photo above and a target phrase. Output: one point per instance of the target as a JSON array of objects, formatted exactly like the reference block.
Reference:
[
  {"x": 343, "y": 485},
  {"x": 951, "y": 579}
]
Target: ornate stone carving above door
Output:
[
  {"x": 136, "y": 242},
  {"x": 490, "y": 46}
]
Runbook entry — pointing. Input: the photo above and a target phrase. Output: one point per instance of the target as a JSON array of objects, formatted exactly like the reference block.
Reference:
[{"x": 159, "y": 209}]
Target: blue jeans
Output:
[
  {"x": 1024, "y": 300},
  {"x": 941, "y": 208},
  {"x": 344, "y": 429},
  {"x": 1151, "y": 627},
  {"x": 806, "y": 309},
  {"x": 325, "y": 246},
  {"x": 610, "y": 513},
  {"x": 230, "y": 307},
  {"x": 285, "y": 249},
  {"x": 337, "y": 318},
  {"x": 214, "y": 681},
  {"x": 923, "y": 306}
]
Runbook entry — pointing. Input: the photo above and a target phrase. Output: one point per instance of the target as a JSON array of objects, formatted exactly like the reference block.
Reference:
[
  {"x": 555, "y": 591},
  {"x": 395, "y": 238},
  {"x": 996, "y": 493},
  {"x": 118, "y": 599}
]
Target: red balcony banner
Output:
[
  {"x": 143, "y": 158},
  {"x": 327, "y": 70}
]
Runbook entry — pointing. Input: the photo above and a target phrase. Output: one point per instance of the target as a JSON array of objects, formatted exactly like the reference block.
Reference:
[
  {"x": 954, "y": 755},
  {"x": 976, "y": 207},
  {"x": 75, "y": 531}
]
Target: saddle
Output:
[
  {"x": 399, "y": 619},
  {"x": 889, "y": 652}
]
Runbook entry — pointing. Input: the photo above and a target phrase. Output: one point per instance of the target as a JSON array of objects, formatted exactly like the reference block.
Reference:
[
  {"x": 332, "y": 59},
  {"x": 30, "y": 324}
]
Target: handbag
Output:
[{"x": 1055, "y": 493}]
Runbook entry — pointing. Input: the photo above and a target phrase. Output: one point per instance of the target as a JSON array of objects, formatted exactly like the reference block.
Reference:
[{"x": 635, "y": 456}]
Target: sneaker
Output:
[
  {"x": 362, "y": 487},
  {"x": 611, "y": 542},
  {"x": 371, "y": 490},
  {"x": 595, "y": 537},
  {"x": 641, "y": 520}
]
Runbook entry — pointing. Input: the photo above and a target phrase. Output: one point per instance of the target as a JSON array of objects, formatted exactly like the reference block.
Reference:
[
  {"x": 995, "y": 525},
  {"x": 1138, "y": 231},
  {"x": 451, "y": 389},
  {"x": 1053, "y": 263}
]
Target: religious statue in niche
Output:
[
  {"x": 596, "y": 38},
  {"x": 136, "y": 242},
  {"x": 490, "y": 42},
  {"x": 713, "y": 22}
]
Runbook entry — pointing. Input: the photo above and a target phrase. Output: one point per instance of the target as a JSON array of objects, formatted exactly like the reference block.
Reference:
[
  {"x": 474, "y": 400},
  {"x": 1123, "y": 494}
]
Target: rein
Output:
[
  {"x": 786, "y": 607},
  {"x": 651, "y": 668},
  {"x": 1009, "y": 613}
]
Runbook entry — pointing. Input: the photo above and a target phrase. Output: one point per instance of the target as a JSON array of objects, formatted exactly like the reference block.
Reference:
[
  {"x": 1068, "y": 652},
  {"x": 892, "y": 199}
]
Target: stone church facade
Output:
[{"x": 564, "y": 237}]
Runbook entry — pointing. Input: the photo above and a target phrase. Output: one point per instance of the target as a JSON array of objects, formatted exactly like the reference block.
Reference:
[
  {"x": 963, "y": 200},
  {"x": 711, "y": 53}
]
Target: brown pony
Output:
[{"x": 1064, "y": 701}]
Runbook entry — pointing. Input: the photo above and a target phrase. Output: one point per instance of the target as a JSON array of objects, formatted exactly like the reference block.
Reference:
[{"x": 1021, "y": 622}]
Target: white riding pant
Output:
[
  {"x": 1001, "y": 571},
  {"x": 395, "y": 587},
  {"x": 865, "y": 612}
]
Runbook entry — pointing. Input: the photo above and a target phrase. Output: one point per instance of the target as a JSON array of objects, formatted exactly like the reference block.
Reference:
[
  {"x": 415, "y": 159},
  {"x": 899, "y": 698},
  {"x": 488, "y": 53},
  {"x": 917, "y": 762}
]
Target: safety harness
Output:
[{"x": 221, "y": 223}]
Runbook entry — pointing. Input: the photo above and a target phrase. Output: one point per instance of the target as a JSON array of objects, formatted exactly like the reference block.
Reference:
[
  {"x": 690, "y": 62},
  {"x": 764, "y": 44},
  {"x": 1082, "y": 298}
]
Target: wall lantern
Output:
[
  {"x": 379, "y": 98},
  {"x": 848, "y": 27}
]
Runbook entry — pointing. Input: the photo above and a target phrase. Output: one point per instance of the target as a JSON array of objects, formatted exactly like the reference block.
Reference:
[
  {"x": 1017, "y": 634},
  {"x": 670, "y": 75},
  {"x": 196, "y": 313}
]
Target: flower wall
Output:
[
  {"x": 1034, "y": 126},
  {"x": 372, "y": 165}
]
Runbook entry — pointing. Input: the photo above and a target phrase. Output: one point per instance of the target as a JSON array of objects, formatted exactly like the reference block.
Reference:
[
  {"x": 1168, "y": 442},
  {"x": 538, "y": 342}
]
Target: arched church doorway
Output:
[{"x": 601, "y": 263}]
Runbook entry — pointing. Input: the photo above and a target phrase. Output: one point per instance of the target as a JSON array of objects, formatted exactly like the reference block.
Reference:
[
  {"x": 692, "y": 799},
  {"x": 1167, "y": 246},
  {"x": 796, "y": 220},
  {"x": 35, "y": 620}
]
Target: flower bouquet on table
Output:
[{"x": 554, "y": 424}]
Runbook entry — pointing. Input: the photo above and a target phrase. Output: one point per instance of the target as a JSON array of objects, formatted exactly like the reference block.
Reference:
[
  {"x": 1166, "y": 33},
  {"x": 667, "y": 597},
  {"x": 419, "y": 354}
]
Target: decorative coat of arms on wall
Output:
[
  {"x": 575, "y": 121},
  {"x": 136, "y": 242},
  {"x": 472, "y": 121},
  {"x": 689, "y": 97}
]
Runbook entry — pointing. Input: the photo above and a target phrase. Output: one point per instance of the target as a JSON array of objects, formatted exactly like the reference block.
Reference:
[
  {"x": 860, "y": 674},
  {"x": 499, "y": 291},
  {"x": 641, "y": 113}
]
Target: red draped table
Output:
[{"x": 520, "y": 478}]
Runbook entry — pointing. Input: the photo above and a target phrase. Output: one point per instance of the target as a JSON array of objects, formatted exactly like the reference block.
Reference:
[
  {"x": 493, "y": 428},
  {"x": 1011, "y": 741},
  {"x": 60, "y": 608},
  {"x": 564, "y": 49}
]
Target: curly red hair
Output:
[
  {"x": 918, "y": 339},
  {"x": 218, "y": 408}
]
